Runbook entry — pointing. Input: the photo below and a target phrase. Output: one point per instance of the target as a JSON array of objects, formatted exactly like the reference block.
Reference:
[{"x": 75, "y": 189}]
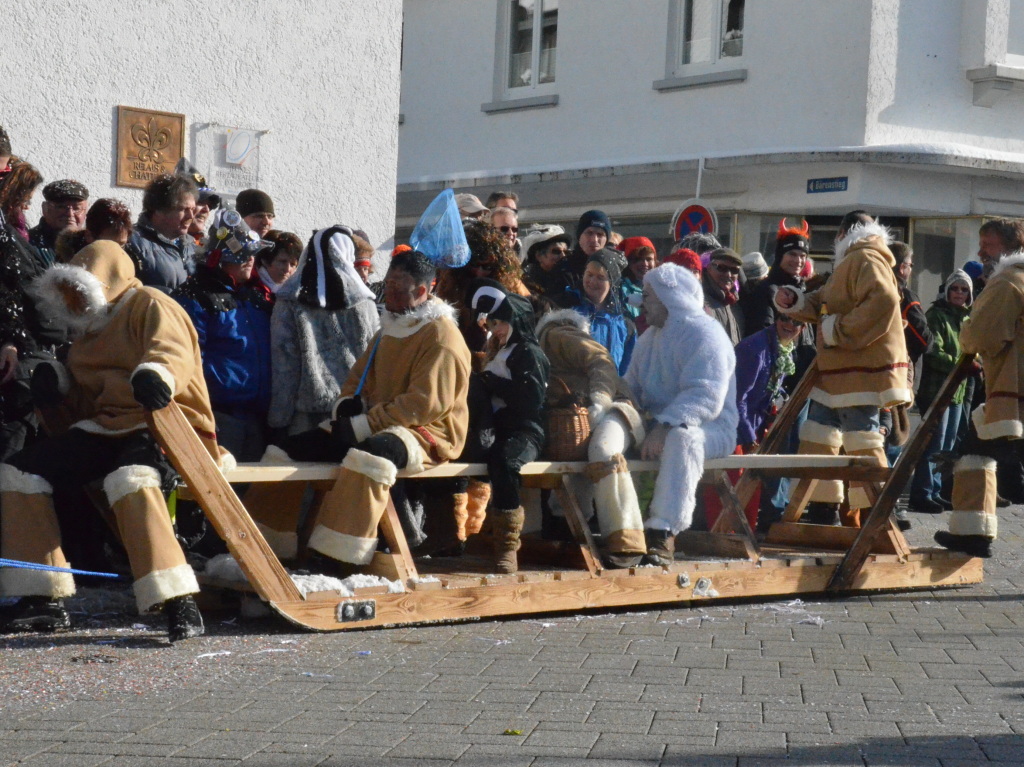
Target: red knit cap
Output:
[
  {"x": 685, "y": 258},
  {"x": 631, "y": 244}
]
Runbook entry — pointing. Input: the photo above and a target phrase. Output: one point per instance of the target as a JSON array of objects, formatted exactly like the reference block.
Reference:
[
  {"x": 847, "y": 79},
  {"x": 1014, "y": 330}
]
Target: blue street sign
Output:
[{"x": 821, "y": 185}]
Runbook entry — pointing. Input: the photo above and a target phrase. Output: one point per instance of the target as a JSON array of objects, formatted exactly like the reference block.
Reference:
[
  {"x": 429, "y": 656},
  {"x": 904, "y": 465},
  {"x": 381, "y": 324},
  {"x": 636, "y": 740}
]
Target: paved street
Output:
[{"x": 925, "y": 678}]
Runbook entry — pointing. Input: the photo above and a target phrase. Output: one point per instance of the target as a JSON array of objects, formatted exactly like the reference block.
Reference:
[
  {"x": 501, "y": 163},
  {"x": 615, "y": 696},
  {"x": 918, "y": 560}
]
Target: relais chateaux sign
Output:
[{"x": 148, "y": 143}]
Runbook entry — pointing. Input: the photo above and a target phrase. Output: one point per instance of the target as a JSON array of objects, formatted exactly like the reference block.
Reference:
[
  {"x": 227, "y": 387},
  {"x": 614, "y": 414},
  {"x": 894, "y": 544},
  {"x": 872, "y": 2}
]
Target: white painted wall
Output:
[
  {"x": 807, "y": 64},
  {"x": 323, "y": 78}
]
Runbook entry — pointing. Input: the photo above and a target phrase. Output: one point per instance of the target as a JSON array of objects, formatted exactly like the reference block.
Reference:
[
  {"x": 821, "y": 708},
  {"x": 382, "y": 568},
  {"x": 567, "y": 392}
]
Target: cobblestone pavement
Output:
[{"x": 923, "y": 678}]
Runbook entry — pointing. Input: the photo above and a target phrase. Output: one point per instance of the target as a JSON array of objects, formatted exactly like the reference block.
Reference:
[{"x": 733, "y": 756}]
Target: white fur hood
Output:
[
  {"x": 858, "y": 233},
  {"x": 1008, "y": 262},
  {"x": 678, "y": 289},
  {"x": 563, "y": 317},
  {"x": 405, "y": 325}
]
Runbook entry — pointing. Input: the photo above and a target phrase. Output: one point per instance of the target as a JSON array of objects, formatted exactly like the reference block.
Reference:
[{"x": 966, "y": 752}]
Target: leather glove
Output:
[
  {"x": 347, "y": 408},
  {"x": 45, "y": 386},
  {"x": 150, "y": 390}
]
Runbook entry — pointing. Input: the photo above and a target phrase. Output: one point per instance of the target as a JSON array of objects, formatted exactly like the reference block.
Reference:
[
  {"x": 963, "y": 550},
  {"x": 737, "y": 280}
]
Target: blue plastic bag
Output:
[{"x": 439, "y": 234}]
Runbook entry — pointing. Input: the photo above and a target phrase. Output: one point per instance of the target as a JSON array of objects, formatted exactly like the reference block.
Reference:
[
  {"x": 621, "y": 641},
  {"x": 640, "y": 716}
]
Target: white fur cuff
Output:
[
  {"x": 974, "y": 463},
  {"x": 828, "y": 330},
  {"x": 859, "y": 498},
  {"x": 973, "y": 523},
  {"x": 361, "y": 427},
  {"x": 801, "y": 301},
  {"x": 828, "y": 491},
  {"x": 343, "y": 547},
  {"x": 14, "y": 481},
  {"x": 160, "y": 370},
  {"x": 812, "y": 431},
  {"x": 20, "y": 582},
  {"x": 413, "y": 448},
  {"x": 862, "y": 441},
  {"x": 227, "y": 460},
  {"x": 377, "y": 469},
  {"x": 276, "y": 456},
  {"x": 160, "y": 585},
  {"x": 128, "y": 480}
]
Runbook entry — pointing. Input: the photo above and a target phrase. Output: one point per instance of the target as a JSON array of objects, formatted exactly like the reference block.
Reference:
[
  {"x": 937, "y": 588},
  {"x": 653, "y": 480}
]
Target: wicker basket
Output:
[{"x": 568, "y": 427}]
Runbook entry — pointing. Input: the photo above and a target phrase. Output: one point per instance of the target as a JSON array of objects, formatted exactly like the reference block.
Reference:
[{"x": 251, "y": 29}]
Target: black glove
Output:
[
  {"x": 150, "y": 390},
  {"x": 348, "y": 408},
  {"x": 342, "y": 433},
  {"x": 45, "y": 386},
  {"x": 492, "y": 381}
]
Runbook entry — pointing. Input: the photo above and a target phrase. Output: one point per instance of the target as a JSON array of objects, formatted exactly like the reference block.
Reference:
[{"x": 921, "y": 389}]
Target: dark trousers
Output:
[{"x": 506, "y": 457}]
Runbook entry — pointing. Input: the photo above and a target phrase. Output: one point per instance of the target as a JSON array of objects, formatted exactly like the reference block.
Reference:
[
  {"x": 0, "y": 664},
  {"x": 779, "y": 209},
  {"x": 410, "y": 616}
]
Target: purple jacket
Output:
[{"x": 755, "y": 356}]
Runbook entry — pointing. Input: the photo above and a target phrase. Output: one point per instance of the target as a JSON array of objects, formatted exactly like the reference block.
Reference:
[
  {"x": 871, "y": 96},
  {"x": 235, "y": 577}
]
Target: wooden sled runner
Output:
[{"x": 726, "y": 563}]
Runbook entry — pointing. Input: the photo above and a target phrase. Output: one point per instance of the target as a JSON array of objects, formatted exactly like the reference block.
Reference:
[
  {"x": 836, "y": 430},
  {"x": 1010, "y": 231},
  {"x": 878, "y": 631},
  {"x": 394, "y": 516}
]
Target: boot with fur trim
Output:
[
  {"x": 478, "y": 496},
  {"x": 506, "y": 526}
]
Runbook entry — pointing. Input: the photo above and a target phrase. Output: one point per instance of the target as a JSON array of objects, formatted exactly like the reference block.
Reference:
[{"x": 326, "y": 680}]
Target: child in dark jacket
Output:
[{"x": 516, "y": 376}]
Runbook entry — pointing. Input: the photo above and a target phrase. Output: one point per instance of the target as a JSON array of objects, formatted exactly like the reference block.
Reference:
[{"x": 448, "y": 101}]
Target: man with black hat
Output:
[
  {"x": 65, "y": 204},
  {"x": 721, "y": 291},
  {"x": 256, "y": 209},
  {"x": 592, "y": 233}
]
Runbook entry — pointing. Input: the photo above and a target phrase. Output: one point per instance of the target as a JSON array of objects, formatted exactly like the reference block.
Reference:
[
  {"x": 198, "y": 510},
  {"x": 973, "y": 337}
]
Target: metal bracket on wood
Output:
[{"x": 357, "y": 610}]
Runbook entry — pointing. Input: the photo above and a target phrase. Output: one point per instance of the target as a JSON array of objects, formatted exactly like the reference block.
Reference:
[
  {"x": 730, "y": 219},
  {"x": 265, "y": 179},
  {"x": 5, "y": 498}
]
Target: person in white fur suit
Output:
[{"x": 683, "y": 373}]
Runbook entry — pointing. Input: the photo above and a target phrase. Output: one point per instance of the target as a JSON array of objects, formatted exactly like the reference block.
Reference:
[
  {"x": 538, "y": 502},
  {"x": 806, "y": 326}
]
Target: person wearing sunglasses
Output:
[
  {"x": 546, "y": 271},
  {"x": 721, "y": 291},
  {"x": 506, "y": 221}
]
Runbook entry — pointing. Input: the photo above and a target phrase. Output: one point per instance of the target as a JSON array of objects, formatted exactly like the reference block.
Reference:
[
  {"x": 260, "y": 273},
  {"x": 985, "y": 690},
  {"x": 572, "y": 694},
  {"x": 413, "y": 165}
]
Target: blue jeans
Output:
[
  {"x": 859, "y": 418},
  {"x": 927, "y": 482}
]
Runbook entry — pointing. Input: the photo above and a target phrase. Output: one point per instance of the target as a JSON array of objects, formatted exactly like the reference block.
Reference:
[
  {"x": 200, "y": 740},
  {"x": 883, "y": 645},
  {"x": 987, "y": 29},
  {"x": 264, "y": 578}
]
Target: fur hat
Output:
[
  {"x": 250, "y": 201},
  {"x": 595, "y": 218}
]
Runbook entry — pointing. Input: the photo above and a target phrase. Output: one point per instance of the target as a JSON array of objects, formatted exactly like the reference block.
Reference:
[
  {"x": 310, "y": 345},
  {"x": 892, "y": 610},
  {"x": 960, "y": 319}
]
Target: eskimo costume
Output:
[
  {"x": 994, "y": 332},
  {"x": 411, "y": 413},
  {"x": 862, "y": 357},
  {"x": 324, "y": 318},
  {"x": 684, "y": 375},
  {"x": 516, "y": 377},
  {"x": 135, "y": 348},
  {"x": 584, "y": 365}
]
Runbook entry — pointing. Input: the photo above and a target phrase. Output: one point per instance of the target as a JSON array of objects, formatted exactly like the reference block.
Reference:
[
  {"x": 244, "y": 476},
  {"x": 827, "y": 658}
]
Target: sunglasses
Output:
[
  {"x": 722, "y": 268},
  {"x": 507, "y": 229},
  {"x": 959, "y": 289},
  {"x": 561, "y": 251},
  {"x": 791, "y": 321}
]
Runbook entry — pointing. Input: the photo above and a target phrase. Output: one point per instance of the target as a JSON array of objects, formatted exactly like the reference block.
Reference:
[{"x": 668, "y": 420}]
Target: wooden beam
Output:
[
  {"x": 799, "y": 497},
  {"x": 226, "y": 513},
  {"x": 391, "y": 529},
  {"x": 821, "y": 537},
  {"x": 578, "y": 524},
  {"x": 735, "y": 515},
  {"x": 846, "y": 574},
  {"x": 712, "y": 544}
]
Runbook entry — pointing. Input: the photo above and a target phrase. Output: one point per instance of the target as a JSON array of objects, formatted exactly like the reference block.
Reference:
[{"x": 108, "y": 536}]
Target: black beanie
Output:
[
  {"x": 250, "y": 201},
  {"x": 596, "y": 218}
]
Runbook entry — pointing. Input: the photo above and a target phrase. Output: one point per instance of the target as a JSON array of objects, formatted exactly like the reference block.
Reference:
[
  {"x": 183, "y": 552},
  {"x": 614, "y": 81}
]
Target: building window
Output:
[
  {"x": 532, "y": 42},
  {"x": 711, "y": 30}
]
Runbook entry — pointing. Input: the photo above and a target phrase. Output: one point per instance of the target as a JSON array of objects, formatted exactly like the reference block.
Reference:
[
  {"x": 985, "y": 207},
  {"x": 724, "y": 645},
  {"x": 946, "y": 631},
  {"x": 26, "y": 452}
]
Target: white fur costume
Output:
[{"x": 685, "y": 375}]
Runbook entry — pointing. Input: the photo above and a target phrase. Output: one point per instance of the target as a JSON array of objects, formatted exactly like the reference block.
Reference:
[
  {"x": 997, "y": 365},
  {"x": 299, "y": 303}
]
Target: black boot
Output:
[
  {"x": 183, "y": 619},
  {"x": 821, "y": 513},
  {"x": 661, "y": 547},
  {"x": 902, "y": 519},
  {"x": 972, "y": 545},
  {"x": 35, "y": 614}
]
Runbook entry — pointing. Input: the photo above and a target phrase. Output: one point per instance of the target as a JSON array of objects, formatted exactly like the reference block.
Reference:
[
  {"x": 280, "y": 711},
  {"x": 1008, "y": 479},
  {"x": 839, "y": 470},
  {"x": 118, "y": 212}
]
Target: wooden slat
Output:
[
  {"x": 736, "y": 515},
  {"x": 799, "y": 497},
  {"x": 222, "y": 507},
  {"x": 622, "y": 589},
  {"x": 578, "y": 524},
  {"x": 820, "y": 537},
  {"x": 878, "y": 520},
  {"x": 391, "y": 529},
  {"x": 707, "y": 544}
]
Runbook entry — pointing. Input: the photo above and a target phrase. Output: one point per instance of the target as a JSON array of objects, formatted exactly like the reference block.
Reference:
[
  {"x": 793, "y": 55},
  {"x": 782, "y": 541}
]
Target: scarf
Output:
[{"x": 782, "y": 367}]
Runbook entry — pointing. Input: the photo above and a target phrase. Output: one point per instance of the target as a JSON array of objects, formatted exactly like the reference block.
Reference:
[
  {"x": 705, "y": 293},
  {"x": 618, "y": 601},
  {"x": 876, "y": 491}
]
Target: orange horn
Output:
[{"x": 782, "y": 227}]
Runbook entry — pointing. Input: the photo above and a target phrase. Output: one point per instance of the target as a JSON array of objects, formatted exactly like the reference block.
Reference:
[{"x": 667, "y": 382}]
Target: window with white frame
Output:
[
  {"x": 532, "y": 42},
  {"x": 710, "y": 30}
]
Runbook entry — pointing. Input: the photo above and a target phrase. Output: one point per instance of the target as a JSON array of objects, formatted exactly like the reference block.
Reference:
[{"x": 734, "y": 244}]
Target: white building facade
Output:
[
  {"x": 317, "y": 84},
  {"x": 910, "y": 109}
]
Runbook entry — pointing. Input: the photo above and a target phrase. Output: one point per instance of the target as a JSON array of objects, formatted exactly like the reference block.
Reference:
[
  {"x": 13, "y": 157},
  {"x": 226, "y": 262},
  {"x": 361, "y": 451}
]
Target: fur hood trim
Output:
[
  {"x": 858, "y": 233},
  {"x": 678, "y": 289},
  {"x": 405, "y": 325},
  {"x": 1009, "y": 260},
  {"x": 50, "y": 287},
  {"x": 563, "y": 317}
]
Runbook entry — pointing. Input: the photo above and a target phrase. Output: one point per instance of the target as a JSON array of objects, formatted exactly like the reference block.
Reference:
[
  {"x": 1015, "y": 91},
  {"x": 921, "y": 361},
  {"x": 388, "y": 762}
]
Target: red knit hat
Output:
[
  {"x": 685, "y": 258},
  {"x": 631, "y": 244}
]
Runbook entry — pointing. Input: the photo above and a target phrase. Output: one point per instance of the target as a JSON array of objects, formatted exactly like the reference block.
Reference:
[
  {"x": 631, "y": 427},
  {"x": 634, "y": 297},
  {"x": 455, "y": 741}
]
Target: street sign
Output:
[
  {"x": 823, "y": 185},
  {"x": 693, "y": 216}
]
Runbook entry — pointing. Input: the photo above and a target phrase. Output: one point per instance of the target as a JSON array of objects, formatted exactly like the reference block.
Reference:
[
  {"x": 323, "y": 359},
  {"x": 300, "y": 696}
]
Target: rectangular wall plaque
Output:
[{"x": 148, "y": 143}]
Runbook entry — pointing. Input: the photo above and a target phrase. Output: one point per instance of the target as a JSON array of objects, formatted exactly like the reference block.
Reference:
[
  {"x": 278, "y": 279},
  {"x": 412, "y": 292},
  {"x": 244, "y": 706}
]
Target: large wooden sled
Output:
[{"x": 726, "y": 563}]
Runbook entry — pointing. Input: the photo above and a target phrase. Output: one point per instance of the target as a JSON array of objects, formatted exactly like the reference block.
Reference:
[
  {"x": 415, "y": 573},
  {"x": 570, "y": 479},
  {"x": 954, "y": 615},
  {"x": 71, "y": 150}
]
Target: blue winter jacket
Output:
[
  {"x": 233, "y": 324},
  {"x": 755, "y": 356},
  {"x": 615, "y": 332},
  {"x": 160, "y": 262}
]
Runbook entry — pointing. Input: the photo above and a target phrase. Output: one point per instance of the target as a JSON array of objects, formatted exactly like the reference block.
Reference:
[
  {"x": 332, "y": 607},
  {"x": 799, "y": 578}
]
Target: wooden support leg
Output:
[
  {"x": 799, "y": 499},
  {"x": 578, "y": 524},
  {"x": 398, "y": 565},
  {"x": 734, "y": 509}
]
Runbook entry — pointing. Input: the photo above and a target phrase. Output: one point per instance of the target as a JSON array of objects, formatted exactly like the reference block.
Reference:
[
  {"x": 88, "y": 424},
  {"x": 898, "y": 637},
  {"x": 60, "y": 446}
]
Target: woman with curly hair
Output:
[{"x": 16, "y": 194}]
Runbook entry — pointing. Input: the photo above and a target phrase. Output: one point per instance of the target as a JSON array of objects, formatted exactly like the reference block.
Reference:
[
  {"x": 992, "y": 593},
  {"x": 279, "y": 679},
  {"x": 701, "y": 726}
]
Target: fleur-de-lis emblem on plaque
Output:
[{"x": 151, "y": 140}]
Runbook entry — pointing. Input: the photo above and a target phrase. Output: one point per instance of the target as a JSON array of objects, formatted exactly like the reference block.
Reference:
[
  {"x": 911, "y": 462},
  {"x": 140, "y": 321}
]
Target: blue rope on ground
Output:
[{"x": 52, "y": 569}]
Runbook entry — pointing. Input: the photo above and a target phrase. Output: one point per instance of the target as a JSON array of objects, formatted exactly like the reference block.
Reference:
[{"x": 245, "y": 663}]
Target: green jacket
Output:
[{"x": 945, "y": 321}]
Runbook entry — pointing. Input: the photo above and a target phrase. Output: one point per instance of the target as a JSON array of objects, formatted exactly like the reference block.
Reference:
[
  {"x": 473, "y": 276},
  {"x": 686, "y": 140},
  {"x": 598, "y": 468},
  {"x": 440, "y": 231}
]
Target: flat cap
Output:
[{"x": 65, "y": 189}]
